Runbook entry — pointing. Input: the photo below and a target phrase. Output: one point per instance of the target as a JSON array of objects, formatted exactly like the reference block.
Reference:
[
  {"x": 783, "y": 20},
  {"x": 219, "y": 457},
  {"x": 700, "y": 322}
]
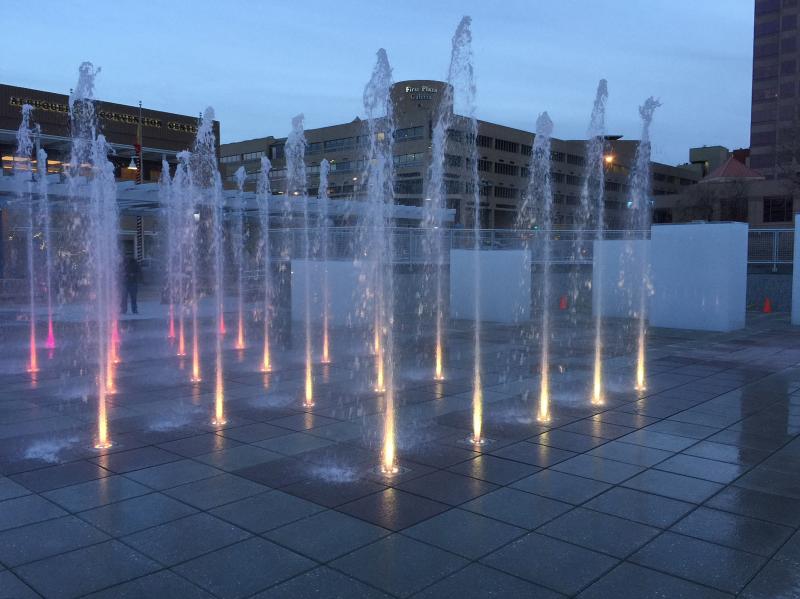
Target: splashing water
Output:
[
  {"x": 639, "y": 186},
  {"x": 377, "y": 243},
  {"x": 23, "y": 171},
  {"x": 324, "y": 201},
  {"x": 536, "y": 213},
  {"x": 297, "y": 186},
  {"x": 238, "y": 256},
  {"x": 91, "y": 173},
  {"x": 263, "y": 198}
]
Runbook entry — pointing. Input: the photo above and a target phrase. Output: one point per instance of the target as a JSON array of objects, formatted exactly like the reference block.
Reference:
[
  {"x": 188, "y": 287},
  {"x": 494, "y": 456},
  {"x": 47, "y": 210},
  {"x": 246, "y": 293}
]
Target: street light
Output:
[{"x": 132, "y": 165}]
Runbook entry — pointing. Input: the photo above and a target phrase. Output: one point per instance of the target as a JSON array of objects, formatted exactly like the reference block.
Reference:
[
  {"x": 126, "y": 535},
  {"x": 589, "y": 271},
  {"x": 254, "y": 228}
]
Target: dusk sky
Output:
[{"x": 260, "y": 63}]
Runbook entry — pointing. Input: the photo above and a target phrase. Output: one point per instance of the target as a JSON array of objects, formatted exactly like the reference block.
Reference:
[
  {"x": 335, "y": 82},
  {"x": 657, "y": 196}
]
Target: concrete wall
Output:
[
  {"x": 505, "y": 289},
  {"x": 699, "y": 275}
]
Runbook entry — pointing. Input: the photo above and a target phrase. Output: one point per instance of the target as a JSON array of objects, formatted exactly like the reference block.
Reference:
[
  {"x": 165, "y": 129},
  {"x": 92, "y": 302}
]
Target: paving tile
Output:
[
  {"x": 159, "y": 584},
  {"x": 199, "y": 444},
  {"x": 479, "y": 582},
  {"x": 218, "y": 490},
  {"x": 186, "y": 538},
  {"x": 630, "y": 453},
  {"x": 277, "y": 473},
  {"x": 533, "y": 454},
  {"x": 561, "y": 486},
  {"x": 518, "y": 508},
  {"x": 399, "y": 565},
  {"x": 629, "y": 581},
  {"x": 438, "y": 455},
  {"x": 720, "y": 472},
  {"x": 561, "y": 439},
  {"x": 27, "y": 509},
  {"x": 683, "y": 429},
  {"x": 675, "y": 486},
  {"x": 250, "y": 433},
  {"x": 771, "y": 481},
  {"x": 699, "y": 561},
  {"x": 44, "y": 539},
  {"x": 244, "y": 569},
  {"x": 745, "y": 456},
  {"x": 758, "y": 504},
  {"x": 67, "y": 575},
  {"x": 607, "y": 471},
  {"x": 656, "y": 440},
  {"x": 173, "y": 474},
  {"x": 237, "y": 458},
  {"x": 594, "y": 530},
  {"x": 102, "y": 491},
  {"x": 326, "y": 535},
  {"x": 9, "y": 489},
  {"x": 135, "y": 459},
  {"x": 494, "y": 469},
  {"x": 63, "y": 475},
  {"x": 266, "y": 511},
  {"x": 322, "y": 582},
  {"x": 131, "y": 515},
  {"x": 393, "y": 509},
  {"x": 549, "y": 562},
  {"x": 331, "y": 493},
  {"x": 751, "y": 440},
  {"x": 596, "y": 428},
  {"x": 12, "y": 587},
  {"x": 464, "y": 533},
  {"x": 294, "y": 443},
  {"x": 629, "y": 419},
  {"x": 779, "y": 579},
  {"x": 737, "y": 532},
  {"x": 447, "y": 487},
  {"x": 644, "y": 508}
]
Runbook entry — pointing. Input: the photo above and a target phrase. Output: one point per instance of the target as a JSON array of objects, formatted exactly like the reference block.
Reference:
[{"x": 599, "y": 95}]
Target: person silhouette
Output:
[{"x": 131, "y": 275}]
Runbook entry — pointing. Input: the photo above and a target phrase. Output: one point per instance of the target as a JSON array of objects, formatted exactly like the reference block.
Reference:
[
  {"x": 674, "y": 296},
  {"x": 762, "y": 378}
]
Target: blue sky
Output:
[{"x": 260, "y": 63}]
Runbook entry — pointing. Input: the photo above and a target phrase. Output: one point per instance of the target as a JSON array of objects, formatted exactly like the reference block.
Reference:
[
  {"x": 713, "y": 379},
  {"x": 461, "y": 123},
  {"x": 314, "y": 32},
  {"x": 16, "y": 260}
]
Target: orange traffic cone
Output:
[
  {"x": 767, "y": 306},
  {"x": 562, "y": 303}
]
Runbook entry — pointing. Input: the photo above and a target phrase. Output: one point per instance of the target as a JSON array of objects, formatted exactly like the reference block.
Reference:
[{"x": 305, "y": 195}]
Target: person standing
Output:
[{"x": 131, "y": 276}]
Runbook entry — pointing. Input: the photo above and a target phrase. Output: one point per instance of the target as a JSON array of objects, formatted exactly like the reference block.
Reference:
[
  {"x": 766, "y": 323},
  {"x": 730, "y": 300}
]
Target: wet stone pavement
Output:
[{"x": 688, "y": 490}]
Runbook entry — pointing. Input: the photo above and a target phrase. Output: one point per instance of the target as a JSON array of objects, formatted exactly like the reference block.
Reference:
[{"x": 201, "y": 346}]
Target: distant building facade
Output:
[
  {"x": 774, "y": 121},
  {"x": 504, "y": 155}
]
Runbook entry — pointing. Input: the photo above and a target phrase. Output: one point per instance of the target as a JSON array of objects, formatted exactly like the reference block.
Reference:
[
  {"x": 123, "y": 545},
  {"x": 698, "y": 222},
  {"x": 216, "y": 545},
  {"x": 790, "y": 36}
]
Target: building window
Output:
[
  {"x": 764, "y": 50},
  {"x": 576, "y": 160},
  {"x": 766, "y": 28},
  {"x": 338, "y": 145},
  {"x": 557, "y": 177},
  {"x": 483, "y": 141},
  {"x": 506, "y": 146},
  {"x": 277, "y": 152},
  {"x": 231, "y": 159},
  {"x": 341, "y": 167},
  {"x": 314, "y": 148},
  {"x": 762, "y": 138},
  {"x": 573, "y": 180},
  {"x": 525, "y": 172},
  {"x": 526, "y": 149},
  {"x": 408, "y": 186},
  {"x": 453, "y": 161},
  {"x": 409, "y": 133},
  {"x": 408, "y": 160},
  {"x": 557, "y": 156},
  {"x": 453, "y": 186},
  {"x": 508, "y": 193},
  {"x": 501, "y": 168},
  {"x": 253, "y": 155},
  {"x": 777, "y": 209},
  {"x": 485, "y": 165},
  {"x": 788, "y": 22}
]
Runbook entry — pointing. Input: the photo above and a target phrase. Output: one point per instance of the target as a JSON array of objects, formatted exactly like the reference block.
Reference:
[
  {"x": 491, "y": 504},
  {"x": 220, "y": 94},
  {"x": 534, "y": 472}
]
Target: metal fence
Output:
[{"x": 765, "y": 246}]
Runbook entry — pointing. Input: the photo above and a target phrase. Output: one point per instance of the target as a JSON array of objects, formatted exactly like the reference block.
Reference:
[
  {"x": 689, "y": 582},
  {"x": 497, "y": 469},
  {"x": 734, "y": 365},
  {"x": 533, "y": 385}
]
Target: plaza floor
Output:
[{"x": 690, "y": 489}]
